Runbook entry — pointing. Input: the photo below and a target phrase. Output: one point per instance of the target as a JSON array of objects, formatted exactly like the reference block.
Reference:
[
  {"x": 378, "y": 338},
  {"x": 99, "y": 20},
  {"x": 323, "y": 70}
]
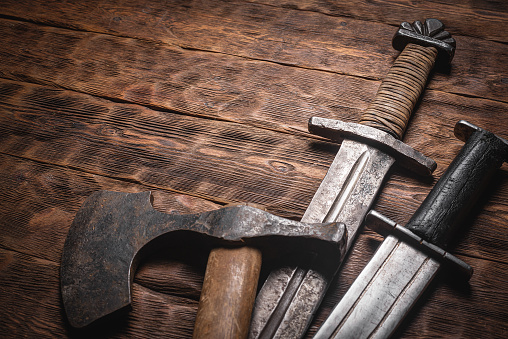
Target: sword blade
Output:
[
  {"x": 382, "y": 294},
  {"x": 408, "y": 260},
  {"x": 290, "y": 295}
]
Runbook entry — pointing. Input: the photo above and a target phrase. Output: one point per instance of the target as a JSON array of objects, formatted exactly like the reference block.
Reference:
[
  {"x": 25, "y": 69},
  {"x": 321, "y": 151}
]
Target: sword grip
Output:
[
  {"x": 400, "y": 90},
  {"x": 454, "y": 194},
  {"x": 228, "y": 293}
]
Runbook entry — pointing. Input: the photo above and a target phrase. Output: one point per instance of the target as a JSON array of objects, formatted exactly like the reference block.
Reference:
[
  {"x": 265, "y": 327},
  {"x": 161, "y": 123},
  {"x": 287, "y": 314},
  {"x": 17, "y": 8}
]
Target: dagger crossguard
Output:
[{"x": 483, "y": 153}]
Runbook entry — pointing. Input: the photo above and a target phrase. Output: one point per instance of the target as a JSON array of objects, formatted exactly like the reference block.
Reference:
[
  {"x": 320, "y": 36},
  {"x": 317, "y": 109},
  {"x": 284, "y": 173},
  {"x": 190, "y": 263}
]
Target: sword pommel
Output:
[
  {"x": 422, "y": 45},
  {"x": 458, "y": 189},
  {"x": 431, "y": 33}
]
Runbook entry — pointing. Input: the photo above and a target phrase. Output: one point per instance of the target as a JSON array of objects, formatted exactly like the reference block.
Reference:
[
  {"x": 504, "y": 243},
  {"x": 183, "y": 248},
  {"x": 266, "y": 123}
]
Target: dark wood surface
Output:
[{"x": 206, "y": 103}]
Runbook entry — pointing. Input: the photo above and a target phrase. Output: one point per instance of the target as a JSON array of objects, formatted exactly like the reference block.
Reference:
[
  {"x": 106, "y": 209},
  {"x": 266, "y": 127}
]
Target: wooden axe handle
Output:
[{"x": 228, "y": 293}]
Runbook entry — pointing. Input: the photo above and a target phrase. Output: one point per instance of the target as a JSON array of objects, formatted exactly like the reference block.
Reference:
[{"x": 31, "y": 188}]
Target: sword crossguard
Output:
[
  {"x": 407, "y": 156},
  {"x": 384, "y": 226}
]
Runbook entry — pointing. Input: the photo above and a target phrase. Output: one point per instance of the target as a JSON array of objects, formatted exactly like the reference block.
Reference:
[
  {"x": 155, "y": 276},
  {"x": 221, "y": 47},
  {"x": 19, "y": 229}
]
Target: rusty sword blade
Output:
[
  {"x": 355, "y": 163},
  {"x": 292, "y": 293},
  {"x": 346, "y": 193},
  {"x": 407, "y": 261}
]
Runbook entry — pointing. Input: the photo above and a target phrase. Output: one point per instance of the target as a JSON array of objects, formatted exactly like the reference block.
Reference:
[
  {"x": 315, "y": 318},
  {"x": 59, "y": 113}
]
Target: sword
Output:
[
  {"x": 409, "y": 258},
  {"x": 291, "y": 294}
]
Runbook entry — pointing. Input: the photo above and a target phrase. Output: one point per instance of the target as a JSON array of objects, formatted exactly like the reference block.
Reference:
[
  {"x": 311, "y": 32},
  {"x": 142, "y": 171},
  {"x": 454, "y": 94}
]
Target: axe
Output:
[{"x": 112, "y": 231}]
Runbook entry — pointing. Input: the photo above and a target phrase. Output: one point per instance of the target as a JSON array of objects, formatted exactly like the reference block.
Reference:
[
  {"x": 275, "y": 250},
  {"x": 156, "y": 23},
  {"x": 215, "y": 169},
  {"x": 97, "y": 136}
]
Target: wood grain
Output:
[
  {"x": 223, "y": 161},
  {"x": 473, "y": 18},
  {"x": 40, "y": 200},
  {"x": 271, "y": 96},
  {"x": 32, "y": 306},
  {"x": 228, "y": 293},
  {"x": 207, "y": 102},
  {"x": 162, "y": 149},
  {"x": 331, "y": 41},
  {"x": 36, "y": 307}
]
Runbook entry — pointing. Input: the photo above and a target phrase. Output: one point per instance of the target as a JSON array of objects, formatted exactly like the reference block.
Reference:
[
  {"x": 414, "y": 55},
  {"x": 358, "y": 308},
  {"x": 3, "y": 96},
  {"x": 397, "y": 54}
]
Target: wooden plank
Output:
[
  {"x": 40, "y": 200},
  {"x": 287, "y": 36},
  {"x": 29, "y": 297},
  {"x": 195, "y": 83},
  {"x": 203, "y": 84},
  {"x": 227, "y": 162},
  {"x": 30, "y": 289},
  {"x": 472, "y": 18},
  {"x": 31, "y": 306}
]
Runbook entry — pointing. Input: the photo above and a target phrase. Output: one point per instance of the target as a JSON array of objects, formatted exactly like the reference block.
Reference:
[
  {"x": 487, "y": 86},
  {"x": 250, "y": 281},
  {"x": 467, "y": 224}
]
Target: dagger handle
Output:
[
  {"x": 454, "y": 194},
  {"x": 400, "y": 90},
  {"x": 228, "y": 293}
]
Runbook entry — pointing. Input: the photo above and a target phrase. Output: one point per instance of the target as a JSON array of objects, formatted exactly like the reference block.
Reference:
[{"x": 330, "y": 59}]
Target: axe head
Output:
[{"x": 111, "y": 228}]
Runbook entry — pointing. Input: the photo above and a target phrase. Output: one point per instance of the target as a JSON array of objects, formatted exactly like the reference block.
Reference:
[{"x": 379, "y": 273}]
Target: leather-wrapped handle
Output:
[
  {"x": 442, "y": 212},
  {"x": 422, "y": 44},
  {"x": 400, "y": 90}
]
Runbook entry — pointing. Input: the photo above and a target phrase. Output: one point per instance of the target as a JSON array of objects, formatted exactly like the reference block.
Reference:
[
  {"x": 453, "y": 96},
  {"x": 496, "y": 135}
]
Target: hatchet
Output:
[
  {"x": 292, "y": 293},
  {"x": 113, "y": 230}
]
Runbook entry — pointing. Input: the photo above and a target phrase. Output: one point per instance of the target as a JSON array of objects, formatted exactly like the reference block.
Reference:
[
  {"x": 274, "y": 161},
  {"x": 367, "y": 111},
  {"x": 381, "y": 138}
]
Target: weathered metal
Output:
[
  {"x": 111, "y": 229},
  {"x": 400, "y": 270},
  {"x": 291, "y": 294}
]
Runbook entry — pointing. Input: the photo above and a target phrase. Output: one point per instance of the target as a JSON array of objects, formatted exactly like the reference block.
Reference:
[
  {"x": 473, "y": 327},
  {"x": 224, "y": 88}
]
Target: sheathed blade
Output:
[
  {"x": 290, "y": 296},
  {"x": 382, "y": 294}
]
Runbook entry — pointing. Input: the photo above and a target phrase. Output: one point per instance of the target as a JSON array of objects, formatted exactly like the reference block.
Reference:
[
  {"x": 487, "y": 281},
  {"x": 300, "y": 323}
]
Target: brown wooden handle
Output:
[
  {"x": 400, "y": 90},
  {"x": 228, "y": 293}
]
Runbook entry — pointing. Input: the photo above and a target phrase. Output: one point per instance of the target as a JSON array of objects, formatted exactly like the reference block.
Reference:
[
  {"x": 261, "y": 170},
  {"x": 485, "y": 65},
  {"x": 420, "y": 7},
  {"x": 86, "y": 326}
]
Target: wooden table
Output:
[{"x": 206, "y": 103}]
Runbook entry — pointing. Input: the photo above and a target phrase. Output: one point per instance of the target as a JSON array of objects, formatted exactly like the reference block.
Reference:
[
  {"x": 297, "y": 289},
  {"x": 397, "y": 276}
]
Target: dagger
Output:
[
  {"x": 291, "y": 294},
  {"x": 410, "y": 257}
]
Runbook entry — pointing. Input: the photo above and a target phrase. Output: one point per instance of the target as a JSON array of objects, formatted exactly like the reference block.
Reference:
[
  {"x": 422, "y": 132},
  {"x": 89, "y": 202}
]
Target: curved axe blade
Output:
[{"x": 111, "y": 228}]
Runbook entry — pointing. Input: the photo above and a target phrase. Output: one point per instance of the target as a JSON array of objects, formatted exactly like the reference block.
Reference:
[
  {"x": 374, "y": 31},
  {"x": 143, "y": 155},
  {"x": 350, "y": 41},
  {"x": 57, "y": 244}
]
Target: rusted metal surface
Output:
[
  {"x": 111, "y": 228},
  {"x": 405, "y": 155},
  {"x": 400, "y": 271},
  {"x": 291, "y": 294},
  {"x": 430, "y": 33}
]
